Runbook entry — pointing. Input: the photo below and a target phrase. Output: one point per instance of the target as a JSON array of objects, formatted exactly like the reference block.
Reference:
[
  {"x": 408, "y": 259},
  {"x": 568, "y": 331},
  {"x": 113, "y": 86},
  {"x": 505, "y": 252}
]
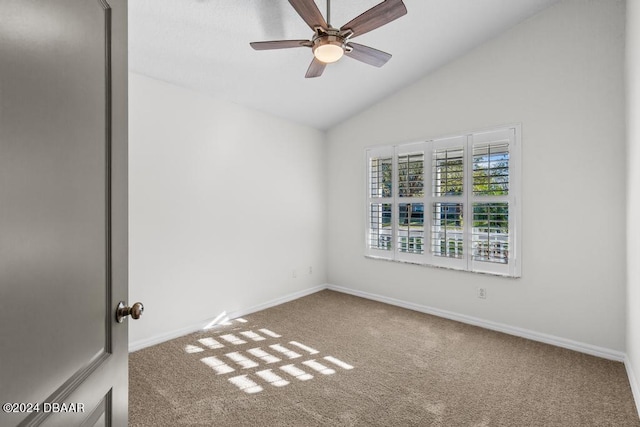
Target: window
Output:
[{"x": 449, "y": 202}]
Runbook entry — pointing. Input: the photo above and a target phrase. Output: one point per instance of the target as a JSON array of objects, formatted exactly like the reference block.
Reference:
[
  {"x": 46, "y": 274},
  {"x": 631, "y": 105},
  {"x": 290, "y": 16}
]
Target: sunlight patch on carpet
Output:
[
  {"x": 251, "y": 360},
  {"x": 338, "y": 362},
  {"x": 245, "y": 384},
  {"x": 193, "y": 349},
  {"x": 217, "y": 365},
  {"x": 211, "y": 343},
  {"x": 272, "y": 378},
  {"x": 296, "y": 372},
  {"x": 230, "y": 338},
  {"x": 266, "y": 357},
  {"x": 242, "y": 360},
  {"x": 270, "y": 333},
  {"x": 319, "y": 367},
  {"x": 289, "y": 353},
  {"x": 252, "y": 335},
  {"x": 304, "y": 347}
]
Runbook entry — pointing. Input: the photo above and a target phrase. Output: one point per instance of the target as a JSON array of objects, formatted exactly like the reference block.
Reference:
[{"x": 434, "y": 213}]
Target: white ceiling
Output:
[{"x": 204, "y": 45}]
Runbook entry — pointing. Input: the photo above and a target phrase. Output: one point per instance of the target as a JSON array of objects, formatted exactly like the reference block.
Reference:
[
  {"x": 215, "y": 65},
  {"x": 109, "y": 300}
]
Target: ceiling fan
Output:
[{"x": 330, "y": 44}]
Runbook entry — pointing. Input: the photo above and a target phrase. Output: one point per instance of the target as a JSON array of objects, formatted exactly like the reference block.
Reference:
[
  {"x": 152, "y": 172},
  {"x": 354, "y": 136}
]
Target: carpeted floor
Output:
[{"x": 332, "y": 359}]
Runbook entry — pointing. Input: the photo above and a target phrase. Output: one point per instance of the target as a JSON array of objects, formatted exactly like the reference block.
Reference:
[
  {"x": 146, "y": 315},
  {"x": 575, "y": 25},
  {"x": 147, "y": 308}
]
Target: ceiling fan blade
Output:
[
  {"x": 280, "y": 44},
  {"x": 309, "y": 12},
  {"x": 315, "y": 69},
  {"x": 375, "y": 17},
  {"x": 368, "y": 55}
]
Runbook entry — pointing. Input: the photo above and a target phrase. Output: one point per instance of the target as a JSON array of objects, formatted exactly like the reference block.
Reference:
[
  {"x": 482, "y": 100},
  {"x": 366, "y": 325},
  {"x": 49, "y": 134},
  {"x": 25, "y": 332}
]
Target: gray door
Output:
[{"x": 63, "y": 212}]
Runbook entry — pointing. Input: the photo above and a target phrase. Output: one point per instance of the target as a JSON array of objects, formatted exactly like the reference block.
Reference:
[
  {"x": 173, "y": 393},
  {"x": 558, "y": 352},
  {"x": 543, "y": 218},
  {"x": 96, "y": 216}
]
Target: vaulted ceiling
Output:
[{"x": 204, "y": 45}]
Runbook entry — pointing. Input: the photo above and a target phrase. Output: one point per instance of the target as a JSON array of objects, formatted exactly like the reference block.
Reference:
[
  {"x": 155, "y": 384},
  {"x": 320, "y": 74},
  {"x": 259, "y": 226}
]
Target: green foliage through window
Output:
[{"x": 491, "y": 169}]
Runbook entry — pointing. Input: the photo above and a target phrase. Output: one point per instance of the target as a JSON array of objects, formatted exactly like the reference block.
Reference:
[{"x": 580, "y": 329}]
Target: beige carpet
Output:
[{"x": 331, "y": 359}]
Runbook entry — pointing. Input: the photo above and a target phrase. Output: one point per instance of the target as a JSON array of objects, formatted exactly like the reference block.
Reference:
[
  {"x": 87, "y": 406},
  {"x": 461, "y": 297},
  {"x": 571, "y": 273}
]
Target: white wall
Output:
[
  {"x": 560, "y": 74},
  {"x": 225, "y": 202},
  {"x": 633, "y": 194}
]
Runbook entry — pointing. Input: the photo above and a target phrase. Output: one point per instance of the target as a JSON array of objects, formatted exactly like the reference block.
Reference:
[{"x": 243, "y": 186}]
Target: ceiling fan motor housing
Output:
[{"x": 329, "y": 46}]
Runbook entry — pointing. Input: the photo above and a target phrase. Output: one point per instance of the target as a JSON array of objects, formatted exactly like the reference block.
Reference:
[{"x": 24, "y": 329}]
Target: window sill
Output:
[{"x": 487, "y": 273}]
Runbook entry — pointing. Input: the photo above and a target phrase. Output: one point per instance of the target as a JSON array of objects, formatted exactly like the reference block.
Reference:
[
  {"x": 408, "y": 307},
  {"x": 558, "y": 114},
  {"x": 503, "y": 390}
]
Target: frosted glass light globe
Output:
[{"x": 329, "y": 52}]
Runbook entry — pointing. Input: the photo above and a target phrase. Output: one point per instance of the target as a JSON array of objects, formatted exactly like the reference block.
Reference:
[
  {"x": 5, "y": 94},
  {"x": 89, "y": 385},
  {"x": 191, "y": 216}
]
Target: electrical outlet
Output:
[
  {"x": 482, "y": 293},
  {"x": 310, "y": 270},
  {"x": 294, "y": 274}
]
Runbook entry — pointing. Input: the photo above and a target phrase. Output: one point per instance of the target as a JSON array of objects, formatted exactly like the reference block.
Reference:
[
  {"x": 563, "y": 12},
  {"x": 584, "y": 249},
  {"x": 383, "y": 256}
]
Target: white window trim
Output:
[{"x": 513, "y": 268}]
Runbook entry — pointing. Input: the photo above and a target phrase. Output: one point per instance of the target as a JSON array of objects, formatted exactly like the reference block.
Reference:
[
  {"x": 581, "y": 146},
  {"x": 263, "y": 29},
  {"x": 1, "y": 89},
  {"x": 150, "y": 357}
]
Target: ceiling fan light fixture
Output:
[{"x": 328, "y": 49}]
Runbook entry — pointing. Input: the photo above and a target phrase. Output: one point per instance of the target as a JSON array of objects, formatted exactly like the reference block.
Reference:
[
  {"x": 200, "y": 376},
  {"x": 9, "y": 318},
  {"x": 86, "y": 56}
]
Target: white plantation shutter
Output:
[
  {"x": 380, "y": 191},
  {"x": 449, "y": 202},
  {"x": 409, "y": 206},
  {"x": 493, "y": 202}
]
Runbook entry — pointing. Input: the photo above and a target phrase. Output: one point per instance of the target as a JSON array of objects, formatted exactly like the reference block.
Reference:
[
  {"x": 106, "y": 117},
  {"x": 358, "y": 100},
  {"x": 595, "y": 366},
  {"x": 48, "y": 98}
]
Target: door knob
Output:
[{"x": 122, "y": 311}]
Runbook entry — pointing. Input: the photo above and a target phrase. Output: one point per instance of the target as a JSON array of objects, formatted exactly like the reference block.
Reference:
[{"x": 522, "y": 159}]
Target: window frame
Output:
[{"x": 466, "y": 262}]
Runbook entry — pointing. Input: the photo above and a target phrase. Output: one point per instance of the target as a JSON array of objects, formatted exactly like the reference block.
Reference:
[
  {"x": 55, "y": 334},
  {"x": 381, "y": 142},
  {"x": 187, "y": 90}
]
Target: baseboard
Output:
[
  {"x": 277, "y": 301},
  {"x": 158, "y": 339},
  {"x": 487, "y": 324},
  {"x": 633, "y": 382}
]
